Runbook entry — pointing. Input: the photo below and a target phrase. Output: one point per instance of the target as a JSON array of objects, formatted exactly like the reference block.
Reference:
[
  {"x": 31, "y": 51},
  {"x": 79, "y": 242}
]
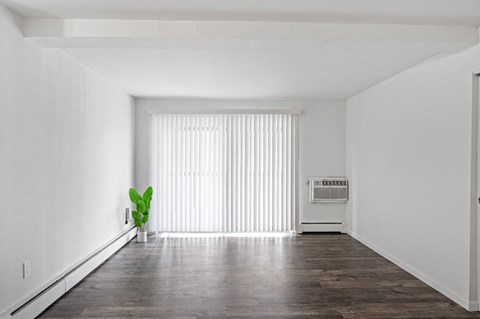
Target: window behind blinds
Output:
[{"x": 222, "y": 172}]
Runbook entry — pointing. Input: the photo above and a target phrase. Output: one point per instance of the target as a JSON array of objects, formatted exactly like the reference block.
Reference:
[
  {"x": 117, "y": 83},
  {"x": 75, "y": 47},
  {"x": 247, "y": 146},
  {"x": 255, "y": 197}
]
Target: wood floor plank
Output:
[{"x": 305, "y": 276}]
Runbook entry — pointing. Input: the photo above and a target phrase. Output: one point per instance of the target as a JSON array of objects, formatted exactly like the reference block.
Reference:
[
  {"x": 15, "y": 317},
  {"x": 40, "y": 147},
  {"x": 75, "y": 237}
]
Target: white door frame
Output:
[{"x": 475, "y": 204}]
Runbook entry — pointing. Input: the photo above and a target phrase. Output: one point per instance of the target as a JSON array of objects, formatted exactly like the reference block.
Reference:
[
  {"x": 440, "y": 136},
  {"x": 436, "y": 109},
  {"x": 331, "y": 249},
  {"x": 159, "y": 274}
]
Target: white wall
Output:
[
  {"x": 67, "y": 142},
  {"x": 322, "y": 142},
  {"x": 409, "y": 161}
]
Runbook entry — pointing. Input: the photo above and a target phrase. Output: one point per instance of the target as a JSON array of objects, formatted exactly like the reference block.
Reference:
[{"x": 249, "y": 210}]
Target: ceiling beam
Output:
[{"x": 87, "y": 32}]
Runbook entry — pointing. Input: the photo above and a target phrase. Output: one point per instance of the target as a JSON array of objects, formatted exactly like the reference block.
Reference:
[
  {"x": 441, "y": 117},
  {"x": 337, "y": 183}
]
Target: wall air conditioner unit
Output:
[{"x": 328, "y": 190}]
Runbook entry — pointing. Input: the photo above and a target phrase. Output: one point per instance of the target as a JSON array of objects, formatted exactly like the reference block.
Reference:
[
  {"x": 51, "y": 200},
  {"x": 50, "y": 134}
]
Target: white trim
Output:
[
  {"x": 43, "y": 298},
  {"x": 154, "y": 110},
  {"x": 469, "y": 305},
  {"x": 474, "y": 225}
]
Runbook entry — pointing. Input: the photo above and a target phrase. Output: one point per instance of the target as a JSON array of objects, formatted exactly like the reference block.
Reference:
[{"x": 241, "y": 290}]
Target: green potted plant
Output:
[{"x": 140, "y": 215}]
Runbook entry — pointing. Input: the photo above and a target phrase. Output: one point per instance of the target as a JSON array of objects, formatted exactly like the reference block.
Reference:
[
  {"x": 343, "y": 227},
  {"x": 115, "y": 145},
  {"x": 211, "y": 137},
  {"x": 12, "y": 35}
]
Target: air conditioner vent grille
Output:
[{"x": 328, "y": 189}]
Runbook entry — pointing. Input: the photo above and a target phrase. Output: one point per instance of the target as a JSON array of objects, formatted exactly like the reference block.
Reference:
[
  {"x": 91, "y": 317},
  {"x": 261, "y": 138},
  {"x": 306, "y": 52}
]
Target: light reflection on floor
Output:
[{"x": 210, "y": 235}]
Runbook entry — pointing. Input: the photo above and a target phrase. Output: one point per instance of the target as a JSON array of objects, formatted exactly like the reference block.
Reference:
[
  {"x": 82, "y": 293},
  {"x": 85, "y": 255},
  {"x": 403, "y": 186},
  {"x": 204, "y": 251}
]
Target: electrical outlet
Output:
[
  {"x": 126, "y": 216},
  {"x": 27, "y": 268}
]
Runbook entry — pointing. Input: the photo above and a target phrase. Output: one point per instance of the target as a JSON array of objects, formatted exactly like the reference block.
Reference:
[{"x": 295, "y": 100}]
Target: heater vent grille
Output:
[{"x": 328, "y": 189}]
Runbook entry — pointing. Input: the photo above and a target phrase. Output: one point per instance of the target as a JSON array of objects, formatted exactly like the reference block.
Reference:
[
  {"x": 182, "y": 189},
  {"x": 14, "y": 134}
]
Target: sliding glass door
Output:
[{"x": 223, "y": 172}]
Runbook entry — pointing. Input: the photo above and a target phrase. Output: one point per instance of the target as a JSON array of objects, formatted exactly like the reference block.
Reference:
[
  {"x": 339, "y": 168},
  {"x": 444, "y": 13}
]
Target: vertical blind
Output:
[{"x": 223, "y": 172}]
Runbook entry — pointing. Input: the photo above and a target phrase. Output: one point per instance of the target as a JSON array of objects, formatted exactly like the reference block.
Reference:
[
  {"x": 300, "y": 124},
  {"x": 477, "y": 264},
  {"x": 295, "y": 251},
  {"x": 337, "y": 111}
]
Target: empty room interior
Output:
[{"x": 239, "y": 159}]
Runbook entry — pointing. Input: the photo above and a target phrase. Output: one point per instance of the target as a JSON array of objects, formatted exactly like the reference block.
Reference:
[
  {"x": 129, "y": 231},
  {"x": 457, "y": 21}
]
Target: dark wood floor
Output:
[{"x": 305, "y": 276}]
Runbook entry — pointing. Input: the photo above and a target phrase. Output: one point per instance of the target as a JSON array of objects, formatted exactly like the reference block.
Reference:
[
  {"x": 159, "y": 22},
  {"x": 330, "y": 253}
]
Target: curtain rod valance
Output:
[{"x": 224, "y": 111}]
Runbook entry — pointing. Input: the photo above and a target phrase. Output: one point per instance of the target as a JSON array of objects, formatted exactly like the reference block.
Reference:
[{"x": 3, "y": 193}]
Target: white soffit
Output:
[
  {"x": 247, "y": 59},
  {"x": 433, "y": 12},
  {"x": 71, "y": 28}
]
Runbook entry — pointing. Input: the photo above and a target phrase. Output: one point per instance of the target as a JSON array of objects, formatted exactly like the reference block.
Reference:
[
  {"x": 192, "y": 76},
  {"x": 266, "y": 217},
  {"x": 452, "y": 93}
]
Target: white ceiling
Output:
[
  {"x": 439, "y": 12},
  {"x": 327, "y": 73},
  {"x": 228, "y": 59}
]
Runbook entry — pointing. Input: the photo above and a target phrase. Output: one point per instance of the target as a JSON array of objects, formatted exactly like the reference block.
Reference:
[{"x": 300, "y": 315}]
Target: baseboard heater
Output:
[
  {"x": 322, "y": 227},
  {"x": 42, "y": 300}
]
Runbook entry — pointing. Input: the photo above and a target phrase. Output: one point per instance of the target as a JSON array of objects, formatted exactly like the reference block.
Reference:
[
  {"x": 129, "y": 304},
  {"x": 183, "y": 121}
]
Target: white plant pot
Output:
[{"x": 141, "y": 236}]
